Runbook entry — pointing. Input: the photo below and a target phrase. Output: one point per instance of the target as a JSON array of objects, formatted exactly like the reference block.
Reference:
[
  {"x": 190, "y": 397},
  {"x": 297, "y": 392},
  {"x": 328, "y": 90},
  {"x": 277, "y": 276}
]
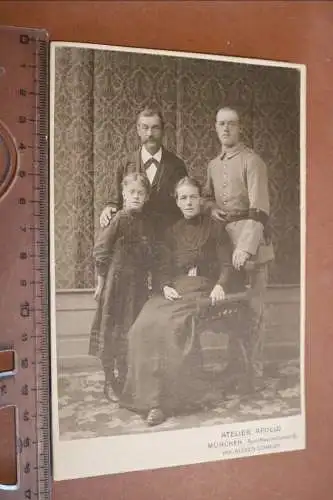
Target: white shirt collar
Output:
[{"x": 145, "y": 156}]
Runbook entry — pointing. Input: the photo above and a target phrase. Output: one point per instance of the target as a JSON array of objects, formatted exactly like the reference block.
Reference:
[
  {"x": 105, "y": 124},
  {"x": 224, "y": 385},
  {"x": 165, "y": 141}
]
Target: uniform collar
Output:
[
  {"x": 145, "y": 156},
  {"x": 231, "y": 152}
]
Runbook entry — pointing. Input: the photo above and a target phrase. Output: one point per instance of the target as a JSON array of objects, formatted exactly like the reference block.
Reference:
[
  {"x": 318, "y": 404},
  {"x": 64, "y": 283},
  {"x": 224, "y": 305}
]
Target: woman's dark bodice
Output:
[{"x": 199, "y": 243}]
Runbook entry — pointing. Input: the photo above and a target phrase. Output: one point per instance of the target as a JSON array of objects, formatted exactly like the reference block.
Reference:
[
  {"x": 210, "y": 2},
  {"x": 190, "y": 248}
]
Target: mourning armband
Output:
[{"x": 258, "y": 215}]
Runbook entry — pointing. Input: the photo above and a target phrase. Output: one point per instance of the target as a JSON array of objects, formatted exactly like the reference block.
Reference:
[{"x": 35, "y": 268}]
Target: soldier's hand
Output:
[
  {"x": 218, "y": 214},
  {"x": 217, "y": 294},
  {"x": 106, "y": 216},
  {"x": 239, "y": 257}
]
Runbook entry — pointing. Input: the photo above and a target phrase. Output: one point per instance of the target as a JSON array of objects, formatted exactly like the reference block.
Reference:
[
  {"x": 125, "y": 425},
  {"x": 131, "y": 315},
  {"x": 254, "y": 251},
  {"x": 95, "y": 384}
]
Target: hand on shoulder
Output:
[{"x": 106, "y": 215}]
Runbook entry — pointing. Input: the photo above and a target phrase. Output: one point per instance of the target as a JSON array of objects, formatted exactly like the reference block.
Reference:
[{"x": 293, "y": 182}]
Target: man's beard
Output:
[
  {"x": 152, "y": 144},
  {"x": 151, "y": 140}
]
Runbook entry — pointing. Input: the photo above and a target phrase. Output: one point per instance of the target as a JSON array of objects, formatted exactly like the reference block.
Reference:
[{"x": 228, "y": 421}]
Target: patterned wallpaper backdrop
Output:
[{"x": 97, "y": 98}]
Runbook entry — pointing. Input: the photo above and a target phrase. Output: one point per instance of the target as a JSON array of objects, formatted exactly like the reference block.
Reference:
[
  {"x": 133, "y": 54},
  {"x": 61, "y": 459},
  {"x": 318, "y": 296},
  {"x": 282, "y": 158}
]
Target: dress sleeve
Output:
[{"x": 103, "y": 245}]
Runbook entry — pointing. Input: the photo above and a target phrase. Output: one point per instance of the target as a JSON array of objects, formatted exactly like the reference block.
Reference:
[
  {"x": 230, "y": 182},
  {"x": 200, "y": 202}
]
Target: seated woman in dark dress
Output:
[{"x": 163, "y": 367}]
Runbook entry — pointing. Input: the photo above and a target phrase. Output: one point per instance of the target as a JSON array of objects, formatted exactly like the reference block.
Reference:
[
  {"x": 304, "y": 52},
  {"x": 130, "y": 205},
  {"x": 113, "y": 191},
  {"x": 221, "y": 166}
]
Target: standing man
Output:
[
  {"x": 236, "y": 192},
  {"x": 163, "y": 169}
]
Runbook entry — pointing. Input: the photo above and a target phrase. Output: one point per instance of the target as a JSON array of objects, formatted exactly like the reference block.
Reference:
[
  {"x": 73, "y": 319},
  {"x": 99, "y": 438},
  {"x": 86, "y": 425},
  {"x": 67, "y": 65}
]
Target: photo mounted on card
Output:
[{"x": 178, "y": 258}]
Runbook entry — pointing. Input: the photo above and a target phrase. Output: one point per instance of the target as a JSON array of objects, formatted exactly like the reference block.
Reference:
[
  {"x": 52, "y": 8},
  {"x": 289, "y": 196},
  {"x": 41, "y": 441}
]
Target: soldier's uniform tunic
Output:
[{"x": 237, "y": 184}]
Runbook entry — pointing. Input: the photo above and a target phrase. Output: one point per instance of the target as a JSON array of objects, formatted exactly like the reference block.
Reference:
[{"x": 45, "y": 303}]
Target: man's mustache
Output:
[{"x": 151, "y": 139}]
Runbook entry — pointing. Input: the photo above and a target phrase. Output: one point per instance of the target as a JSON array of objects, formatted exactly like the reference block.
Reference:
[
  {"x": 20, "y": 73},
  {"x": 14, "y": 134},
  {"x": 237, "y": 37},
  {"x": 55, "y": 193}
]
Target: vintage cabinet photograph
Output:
[{"x": 177, "y": 258}]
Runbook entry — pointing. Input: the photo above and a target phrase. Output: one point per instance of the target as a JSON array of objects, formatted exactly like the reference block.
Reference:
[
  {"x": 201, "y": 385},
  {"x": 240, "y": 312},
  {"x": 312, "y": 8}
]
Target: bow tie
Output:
[{"x": 151, "y": 162}]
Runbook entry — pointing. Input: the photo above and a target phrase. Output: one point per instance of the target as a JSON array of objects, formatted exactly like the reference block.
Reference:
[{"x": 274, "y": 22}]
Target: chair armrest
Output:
[
  {"x": 232, "y": 298},
  {"x": 227, "y": 315}
]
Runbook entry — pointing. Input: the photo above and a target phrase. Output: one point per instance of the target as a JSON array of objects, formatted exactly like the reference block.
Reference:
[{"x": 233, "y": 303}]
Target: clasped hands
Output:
[{"x": 216, "y": 295}]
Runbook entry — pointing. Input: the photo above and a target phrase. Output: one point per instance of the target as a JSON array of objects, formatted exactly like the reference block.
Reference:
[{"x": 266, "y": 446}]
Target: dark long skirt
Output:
[
  {"x": 164, "y": 368},
  {"x": 123, "y": 297}
]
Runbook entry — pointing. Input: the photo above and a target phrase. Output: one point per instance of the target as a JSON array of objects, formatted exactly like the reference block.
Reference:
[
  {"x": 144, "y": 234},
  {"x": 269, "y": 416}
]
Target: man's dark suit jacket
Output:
[{"x": 161, "y": 204}]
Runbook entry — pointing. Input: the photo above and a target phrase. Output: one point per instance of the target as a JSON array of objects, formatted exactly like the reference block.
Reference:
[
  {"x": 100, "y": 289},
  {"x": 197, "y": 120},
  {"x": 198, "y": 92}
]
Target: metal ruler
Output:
[{"x": 24, "y": 254}]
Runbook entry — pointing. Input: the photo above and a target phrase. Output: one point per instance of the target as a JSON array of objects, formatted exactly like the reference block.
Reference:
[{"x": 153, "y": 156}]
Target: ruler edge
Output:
[{"x": 44, "y": 77}]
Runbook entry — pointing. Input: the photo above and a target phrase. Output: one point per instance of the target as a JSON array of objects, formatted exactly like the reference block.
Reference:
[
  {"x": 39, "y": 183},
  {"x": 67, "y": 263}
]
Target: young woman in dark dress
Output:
[
  {"x": 123, "y": 257},
  {"x": 163, "y": 369}
]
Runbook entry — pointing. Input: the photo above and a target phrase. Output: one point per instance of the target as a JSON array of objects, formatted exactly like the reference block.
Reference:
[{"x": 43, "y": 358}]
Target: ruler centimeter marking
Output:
[{"x": 24, "y": 254}]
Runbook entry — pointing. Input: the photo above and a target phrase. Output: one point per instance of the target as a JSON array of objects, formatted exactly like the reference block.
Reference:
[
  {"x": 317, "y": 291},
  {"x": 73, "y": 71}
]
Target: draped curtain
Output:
[{"x": 98, "y": 95}]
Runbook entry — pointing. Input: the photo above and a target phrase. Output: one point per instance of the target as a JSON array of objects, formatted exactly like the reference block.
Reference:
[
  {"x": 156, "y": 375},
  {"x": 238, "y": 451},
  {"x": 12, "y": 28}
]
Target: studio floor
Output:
[{"x": 85, "y": 413}]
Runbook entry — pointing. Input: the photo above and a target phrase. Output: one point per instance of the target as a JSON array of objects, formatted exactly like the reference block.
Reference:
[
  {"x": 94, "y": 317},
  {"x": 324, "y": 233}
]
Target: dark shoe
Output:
[
  {"x": 109, "y": 392},
  {"x": 155, "y": 417}
]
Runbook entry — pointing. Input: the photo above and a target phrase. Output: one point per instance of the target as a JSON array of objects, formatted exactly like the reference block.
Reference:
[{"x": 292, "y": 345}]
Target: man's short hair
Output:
[
  {"x": 229, "y": 108},
  {"x": 151, "y": 111}
]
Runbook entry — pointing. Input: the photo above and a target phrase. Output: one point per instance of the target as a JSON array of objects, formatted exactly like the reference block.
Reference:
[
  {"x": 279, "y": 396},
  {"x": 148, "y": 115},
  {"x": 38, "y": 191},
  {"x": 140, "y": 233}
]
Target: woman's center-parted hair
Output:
[
  {"x": 187, "y": 181},
  {"x": 137, "y": 177}
]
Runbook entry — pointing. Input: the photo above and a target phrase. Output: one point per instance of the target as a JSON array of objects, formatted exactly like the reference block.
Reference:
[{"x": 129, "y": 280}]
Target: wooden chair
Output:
[{"x": 233, "y": 316}]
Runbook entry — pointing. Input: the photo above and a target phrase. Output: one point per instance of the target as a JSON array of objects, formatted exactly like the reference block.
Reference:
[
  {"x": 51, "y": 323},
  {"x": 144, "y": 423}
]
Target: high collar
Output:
[
  {"x": 145, "y": 155},
  {"x": 231, "y": 152},
  {"x": 193, "y": 221},
  {"x": 134, "y": 213}
]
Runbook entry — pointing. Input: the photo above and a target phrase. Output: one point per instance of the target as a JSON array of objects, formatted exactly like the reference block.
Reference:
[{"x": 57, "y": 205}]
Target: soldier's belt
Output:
[{"x": 252, "y": 213}]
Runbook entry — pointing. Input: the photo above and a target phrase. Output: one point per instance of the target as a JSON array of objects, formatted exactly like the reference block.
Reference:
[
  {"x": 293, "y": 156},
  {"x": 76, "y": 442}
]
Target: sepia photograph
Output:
[{"x": 177, "y": 235}]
